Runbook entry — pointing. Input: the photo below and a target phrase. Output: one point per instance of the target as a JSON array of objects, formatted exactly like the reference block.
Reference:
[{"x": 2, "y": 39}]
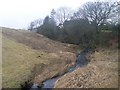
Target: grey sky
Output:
[{"x": 19, "y": 13}]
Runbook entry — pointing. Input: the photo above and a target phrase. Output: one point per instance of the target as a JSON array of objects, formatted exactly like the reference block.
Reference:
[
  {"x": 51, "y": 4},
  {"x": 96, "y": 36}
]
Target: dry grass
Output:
[
  {"x": 101, "y": 72},
  {"x": 36, "y": 41},
  {"x": 21, "y": 61},
  {"x": 18, "y": 61},
  {"x": 28, "y": 55}
]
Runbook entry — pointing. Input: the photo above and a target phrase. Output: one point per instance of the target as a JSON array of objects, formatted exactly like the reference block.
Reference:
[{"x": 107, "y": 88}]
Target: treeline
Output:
[{"x": 94, "y": 23}]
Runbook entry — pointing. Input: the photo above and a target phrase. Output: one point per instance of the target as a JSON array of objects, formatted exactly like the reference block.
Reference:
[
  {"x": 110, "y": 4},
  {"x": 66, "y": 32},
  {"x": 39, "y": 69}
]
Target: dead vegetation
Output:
[{"x": 101, "y": 72}]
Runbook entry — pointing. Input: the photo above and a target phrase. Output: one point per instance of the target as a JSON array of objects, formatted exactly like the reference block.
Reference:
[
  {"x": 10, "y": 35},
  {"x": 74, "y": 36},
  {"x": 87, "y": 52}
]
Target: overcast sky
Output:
[{"x": 19, "y": 13}]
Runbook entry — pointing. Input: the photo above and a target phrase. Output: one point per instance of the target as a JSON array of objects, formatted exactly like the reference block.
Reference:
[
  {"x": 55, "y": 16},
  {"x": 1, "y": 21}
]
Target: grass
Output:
[
  {"x": 30, "y": 56},
  {"x": 101, "y": 72},
  {"x": 18, "y": 61}
]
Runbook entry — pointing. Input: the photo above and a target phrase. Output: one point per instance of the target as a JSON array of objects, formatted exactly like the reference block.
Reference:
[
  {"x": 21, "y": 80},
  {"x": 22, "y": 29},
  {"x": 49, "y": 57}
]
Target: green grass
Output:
[{"x": 18, "y": 61}]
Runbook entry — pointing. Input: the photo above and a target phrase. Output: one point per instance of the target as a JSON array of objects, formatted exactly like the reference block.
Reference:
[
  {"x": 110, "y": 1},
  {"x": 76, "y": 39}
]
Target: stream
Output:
[{"x": 81, "y": 61}]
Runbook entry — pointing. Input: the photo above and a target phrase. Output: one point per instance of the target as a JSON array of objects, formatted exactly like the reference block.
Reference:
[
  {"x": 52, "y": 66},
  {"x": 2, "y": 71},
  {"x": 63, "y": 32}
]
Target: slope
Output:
[
  {"x": 27, "y": 56},
  {"x": 101, "y": 72}
]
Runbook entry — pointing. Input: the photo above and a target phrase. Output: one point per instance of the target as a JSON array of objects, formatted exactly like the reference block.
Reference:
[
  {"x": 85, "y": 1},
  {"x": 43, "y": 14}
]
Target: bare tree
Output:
[
  {"x": 96, "y": 12},
  {"x": 31, "y": 26},
  {"x": 52, "y": 14},
  {"x": 35, "y": 24},
  {"x": 119, "y": 12},
  {"x": 62, "y": 14}
]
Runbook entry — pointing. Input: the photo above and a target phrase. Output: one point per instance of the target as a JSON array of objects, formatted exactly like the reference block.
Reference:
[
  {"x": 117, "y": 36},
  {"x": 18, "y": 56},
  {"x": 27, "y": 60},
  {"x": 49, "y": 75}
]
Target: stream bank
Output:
[{"x": 81, "y": 61}]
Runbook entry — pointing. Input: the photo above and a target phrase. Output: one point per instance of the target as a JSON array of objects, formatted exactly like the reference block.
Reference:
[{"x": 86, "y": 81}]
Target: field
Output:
[{"x": 26, "y": 55}]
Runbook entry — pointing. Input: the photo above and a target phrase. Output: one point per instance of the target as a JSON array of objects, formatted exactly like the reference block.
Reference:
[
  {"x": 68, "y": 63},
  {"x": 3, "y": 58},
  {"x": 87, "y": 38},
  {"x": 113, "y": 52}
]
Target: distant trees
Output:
[
  {"x": 46, "y": 20},
  {"x": 52, "y": 14},
  {"x": 96, "y": 12},
  {"x": 31, "y": 27},
  {"x": 63, "y": 14},
  {"x": 49, "y": 27},
  {"x": 35, "y": 24},
  {"x": 86, "y": 27},
  {"x": 75, "y": 31}
]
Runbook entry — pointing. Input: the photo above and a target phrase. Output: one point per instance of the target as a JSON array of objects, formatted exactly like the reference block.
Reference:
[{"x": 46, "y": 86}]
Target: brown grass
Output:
[
  {"x": 101, "y": 72},
  {"x": 28, "y": 55}
]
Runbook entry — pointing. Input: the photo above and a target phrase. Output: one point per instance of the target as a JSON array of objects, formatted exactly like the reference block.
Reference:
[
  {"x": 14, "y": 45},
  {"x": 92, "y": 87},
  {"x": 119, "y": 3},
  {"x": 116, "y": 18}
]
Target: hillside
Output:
[
  {"x": 101, "y": 72},
  {"x": 27, "y": 55},
  {"x": 31, "y": 56}
]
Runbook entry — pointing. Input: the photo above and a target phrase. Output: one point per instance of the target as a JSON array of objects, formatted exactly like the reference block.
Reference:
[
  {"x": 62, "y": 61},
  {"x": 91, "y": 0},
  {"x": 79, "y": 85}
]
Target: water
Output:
[
  {"x": 81, "y": 61},
  {"x": 50, "y": 83},
  {"x": 34, "y": 86}
]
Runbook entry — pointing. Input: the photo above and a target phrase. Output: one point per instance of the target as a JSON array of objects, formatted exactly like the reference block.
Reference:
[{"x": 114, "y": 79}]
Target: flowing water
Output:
[{"x": 81, "y": 61}]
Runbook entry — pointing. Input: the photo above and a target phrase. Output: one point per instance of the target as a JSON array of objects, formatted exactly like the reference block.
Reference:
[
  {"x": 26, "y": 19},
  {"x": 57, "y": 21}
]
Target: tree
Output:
[
  {"x": 31, "y": 27},
  {"x": 52, "y": 14},
  {"x": 96, "y": 12},
  {"x": 48, "y": 28},
  {"x": 38, "y": 23},
  {"x": 76, "y": 31},
  {"x": 52, "y": 18},
  {"x": 35, "y": 24},
  {"x": 63, "y": 14},
  {"x": 46, "y": 20}
]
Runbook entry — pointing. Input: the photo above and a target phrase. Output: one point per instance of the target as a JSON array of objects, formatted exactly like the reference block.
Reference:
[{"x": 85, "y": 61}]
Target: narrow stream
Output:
[{"x": 81, "y": 61}]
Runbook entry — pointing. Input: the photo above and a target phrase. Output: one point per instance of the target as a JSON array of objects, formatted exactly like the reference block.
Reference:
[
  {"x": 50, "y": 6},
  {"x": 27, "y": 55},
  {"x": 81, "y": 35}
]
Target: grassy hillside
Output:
[
  {"x": 30, "y": 56},
  {"x": 27, "y": 56}
]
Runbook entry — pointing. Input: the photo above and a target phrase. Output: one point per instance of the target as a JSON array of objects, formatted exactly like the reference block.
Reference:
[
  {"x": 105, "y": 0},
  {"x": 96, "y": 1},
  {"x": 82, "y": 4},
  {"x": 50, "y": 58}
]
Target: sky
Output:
[{"x": 19, "y": 13}]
